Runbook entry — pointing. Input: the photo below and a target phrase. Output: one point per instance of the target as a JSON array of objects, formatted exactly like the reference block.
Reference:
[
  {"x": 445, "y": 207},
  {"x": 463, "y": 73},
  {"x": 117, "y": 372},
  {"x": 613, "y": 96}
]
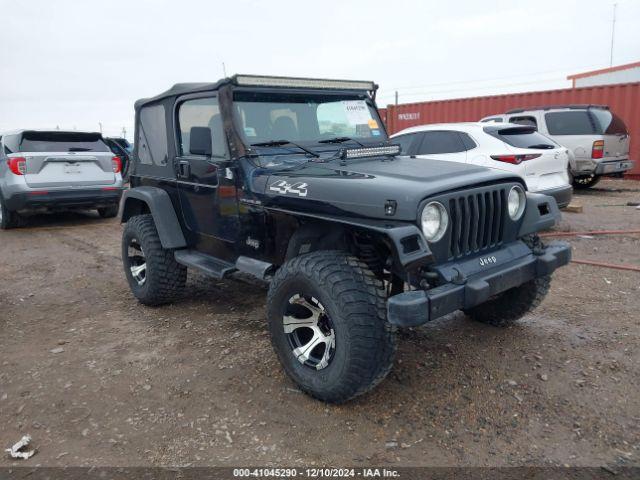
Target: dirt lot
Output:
[{"x": 197, "y": 382}]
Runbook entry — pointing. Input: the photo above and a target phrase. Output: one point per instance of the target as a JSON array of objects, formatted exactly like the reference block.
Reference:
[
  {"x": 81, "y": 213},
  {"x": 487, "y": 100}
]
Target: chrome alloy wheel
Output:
[
  {"x": 309, "y": 331},
  {"x": 137, "y": 262}
]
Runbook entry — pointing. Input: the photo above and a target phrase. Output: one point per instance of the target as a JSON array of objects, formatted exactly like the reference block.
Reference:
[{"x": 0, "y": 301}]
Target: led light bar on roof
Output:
[
  {"x": 371, "y": 151},
  {"x": 262, "y": 81}
]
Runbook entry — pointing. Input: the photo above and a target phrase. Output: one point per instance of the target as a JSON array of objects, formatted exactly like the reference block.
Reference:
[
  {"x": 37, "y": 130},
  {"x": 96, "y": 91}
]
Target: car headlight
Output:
[
  {"x": 516, "y": 202},
  {"x": 434, "y": 221}
]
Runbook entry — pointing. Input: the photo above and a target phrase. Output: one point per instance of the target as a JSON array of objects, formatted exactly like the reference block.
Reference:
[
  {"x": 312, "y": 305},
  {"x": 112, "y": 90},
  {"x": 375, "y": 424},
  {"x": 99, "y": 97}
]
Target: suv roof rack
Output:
[{"x": 572, "y": 106}]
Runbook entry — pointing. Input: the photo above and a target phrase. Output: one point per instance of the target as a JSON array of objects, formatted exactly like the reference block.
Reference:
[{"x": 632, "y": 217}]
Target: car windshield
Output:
[
  {"x": 62, "y": 142},
  {"x": 266, "y": 119}
]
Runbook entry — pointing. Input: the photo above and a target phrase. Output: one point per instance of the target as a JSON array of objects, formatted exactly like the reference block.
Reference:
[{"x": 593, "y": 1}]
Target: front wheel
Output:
[
  {"x": 327, "y": 318},
  {"x": 507, "y": 307},
  {"x": 153, "y": 274},
  {"x": 586, "y": 181}
]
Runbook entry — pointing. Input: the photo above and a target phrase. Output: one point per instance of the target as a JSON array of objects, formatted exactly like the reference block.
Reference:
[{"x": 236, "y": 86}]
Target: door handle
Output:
[{"x": 184, "y": 169}]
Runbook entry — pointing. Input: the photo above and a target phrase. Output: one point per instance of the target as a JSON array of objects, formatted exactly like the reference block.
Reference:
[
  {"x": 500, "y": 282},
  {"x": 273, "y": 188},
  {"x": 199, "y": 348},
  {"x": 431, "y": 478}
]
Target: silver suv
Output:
[
  {"x": 597, "y": 139},
  {"x": 50, "y": 170}
]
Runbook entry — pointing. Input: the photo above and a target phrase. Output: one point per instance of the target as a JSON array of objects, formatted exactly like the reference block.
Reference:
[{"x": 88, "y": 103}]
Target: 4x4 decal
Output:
[{"x": 281, "y": 186}]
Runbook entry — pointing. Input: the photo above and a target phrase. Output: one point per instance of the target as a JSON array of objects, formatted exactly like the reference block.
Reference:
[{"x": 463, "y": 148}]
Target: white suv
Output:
[
  {"x": 519, "y": 149},
  {"x": 597, "y": 139}
]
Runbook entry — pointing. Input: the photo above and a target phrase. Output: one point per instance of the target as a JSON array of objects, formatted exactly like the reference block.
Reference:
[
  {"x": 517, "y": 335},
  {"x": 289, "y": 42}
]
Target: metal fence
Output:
[{"x": 623, "y": 99}]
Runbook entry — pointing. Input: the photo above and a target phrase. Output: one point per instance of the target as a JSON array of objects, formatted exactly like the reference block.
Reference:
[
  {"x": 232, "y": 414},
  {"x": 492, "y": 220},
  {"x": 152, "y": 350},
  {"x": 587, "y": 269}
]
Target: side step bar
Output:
[
  {"x": 207, "y": 264},
  {"x": 218, "y": 268}
]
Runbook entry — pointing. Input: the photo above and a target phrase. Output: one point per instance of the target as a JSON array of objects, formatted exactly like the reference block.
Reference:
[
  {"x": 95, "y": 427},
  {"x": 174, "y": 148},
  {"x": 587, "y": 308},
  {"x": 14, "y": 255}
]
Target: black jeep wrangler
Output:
[{"x": 294, "y": 181}]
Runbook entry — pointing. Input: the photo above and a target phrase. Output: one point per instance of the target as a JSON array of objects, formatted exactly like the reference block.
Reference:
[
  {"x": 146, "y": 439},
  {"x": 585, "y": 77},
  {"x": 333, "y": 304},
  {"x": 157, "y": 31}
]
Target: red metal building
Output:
[{"x": 623, "y": 99}]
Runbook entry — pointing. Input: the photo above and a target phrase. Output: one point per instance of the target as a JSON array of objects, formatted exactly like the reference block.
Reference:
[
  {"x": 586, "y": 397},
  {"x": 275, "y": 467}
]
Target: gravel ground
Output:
[{"x": 97, "y": 379}]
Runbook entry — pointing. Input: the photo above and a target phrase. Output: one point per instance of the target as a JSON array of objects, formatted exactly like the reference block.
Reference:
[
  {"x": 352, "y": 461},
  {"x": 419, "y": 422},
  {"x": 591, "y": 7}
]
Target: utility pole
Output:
[
  {"x": 613, "y": 33},
  {"x": 224, "y": 70},
  {"x": 124, "y": 133},
  {"x": 396, "y": 98},
  {"x": 99, "y": 123}
]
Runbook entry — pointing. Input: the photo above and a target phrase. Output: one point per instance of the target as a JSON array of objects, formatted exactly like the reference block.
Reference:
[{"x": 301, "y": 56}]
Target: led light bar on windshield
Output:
[
  {"x": 371, "y": 151},
  {"x": 262, "y": 81}
]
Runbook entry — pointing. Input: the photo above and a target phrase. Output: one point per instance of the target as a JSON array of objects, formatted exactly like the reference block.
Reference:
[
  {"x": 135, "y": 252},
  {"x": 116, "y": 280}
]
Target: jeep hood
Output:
[{"x": 363, "y": 186}]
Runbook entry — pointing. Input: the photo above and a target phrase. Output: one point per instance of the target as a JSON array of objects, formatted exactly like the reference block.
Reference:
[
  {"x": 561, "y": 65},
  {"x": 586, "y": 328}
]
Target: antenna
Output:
[{"x": 613, "y": 33}]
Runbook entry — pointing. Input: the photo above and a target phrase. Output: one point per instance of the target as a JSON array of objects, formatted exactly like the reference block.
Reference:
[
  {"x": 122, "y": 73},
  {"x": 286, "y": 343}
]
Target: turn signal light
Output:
[
  {"x": 598, "y": 149},
  {"x": 117, "y": 164},
  {"x": 18, "y": 165},
  {"x": 515, "y": 159}
]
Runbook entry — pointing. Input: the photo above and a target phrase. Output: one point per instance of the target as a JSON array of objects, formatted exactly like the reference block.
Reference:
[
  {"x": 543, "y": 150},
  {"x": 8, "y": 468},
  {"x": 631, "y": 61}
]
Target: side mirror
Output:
[{"x": 200, "y": 141}]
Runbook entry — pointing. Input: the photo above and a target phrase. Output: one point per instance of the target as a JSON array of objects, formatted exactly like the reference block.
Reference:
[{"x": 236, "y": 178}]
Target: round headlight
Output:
[
  {"x": 434, "y": 220},
  {"x": 516, "y": 202}
]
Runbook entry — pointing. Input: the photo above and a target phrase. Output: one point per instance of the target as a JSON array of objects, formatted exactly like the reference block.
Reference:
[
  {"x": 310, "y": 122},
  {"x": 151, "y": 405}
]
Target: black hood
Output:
[{"x": 363, "y": 186}]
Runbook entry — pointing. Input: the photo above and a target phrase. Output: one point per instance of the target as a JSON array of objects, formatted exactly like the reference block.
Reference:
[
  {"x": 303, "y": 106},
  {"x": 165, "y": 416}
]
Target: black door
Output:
[{"x": 206, "y": 183}]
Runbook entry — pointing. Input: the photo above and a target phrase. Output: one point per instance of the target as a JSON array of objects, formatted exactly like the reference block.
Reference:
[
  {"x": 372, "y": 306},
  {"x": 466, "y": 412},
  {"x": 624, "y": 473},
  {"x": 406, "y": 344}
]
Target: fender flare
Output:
[
  {"x": 407, "y": 243},
  {"x": 540, "y": 214},
  {"x": 161, "y": 208}
]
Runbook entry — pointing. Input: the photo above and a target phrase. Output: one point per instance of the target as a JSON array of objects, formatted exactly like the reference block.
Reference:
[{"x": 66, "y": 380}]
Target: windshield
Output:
[{"x": 306, "y": 118}]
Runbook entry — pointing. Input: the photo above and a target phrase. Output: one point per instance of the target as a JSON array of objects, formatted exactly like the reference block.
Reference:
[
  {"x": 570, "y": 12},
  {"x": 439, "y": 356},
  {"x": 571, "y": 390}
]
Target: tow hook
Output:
[
  {"x": 535, "y": 244},
  {"x": 458, "y": 278}
]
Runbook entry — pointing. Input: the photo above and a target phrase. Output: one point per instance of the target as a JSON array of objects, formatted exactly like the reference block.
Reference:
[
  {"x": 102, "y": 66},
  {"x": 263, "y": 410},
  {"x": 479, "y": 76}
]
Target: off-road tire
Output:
[
  {"x": 507, "y": 307},
  {"x": 587, "y": 181},
  {"x": 355, "y": 300},
  {"x": 108, "y": 212},
  {"x": 165, "y": 278},
  {"x": 9, "y": 219}
]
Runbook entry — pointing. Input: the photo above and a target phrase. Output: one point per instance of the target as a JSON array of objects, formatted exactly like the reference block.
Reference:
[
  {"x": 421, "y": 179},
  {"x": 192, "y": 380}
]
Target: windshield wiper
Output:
[
  {"x": 543, "y": 146},
  {"x": 280, "y": 143},
  {"x": 341, "y": 140}
]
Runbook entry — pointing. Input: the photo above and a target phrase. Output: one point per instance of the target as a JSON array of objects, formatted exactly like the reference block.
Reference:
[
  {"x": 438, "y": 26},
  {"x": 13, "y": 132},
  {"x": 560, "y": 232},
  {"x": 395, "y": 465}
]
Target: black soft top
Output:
[
  {"x": 263, "y": 81},
  {"x": 181, "y": 89}
]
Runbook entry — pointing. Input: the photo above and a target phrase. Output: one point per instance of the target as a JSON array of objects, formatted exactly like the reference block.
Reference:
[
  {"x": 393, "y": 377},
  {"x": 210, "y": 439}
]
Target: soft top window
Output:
[{"x": 62, "y": 142}]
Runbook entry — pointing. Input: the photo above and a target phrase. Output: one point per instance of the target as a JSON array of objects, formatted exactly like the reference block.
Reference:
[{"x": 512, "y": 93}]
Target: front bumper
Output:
[
  {"x": 562, "y": 195},
  {"x": 416, "y": 307},
  {"x": 81, "y": 198},
  {"x": 612, "y": 167}
]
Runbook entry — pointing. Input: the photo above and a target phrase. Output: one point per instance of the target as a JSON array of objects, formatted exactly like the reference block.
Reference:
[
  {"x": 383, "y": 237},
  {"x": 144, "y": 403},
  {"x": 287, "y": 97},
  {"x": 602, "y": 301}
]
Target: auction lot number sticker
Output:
[{"x": 316, "y": 472}]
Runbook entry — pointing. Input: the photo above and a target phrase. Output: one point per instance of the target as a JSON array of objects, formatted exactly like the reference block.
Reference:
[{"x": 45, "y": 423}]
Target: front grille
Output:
[{"x": 477, "y": 221}]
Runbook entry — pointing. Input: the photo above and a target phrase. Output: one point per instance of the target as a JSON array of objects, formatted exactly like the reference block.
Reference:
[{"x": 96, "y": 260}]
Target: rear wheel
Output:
[
  {"x": 108, "y": 212},
  {"x": 153, "y": 274},
  {"x": 586, "y": 181},
  {"x": 327, "y": 318},
  {"x": 8, "y": 219}
]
